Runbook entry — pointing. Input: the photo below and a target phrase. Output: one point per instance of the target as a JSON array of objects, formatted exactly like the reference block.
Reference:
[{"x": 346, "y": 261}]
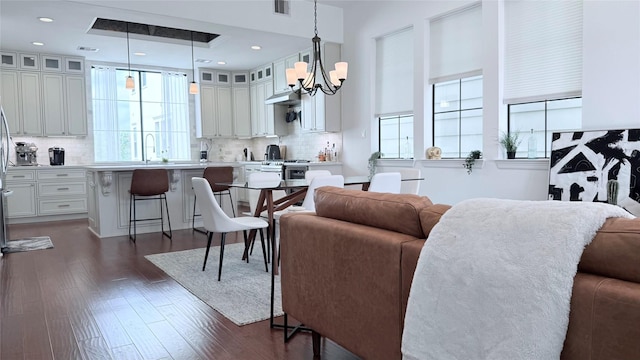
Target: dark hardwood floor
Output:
[{"x": 91, "y": 298}]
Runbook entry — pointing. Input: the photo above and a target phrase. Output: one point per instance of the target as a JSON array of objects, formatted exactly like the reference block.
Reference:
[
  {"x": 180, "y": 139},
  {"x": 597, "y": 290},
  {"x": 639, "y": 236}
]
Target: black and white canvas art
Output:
[{"x": 582, "y": 163}]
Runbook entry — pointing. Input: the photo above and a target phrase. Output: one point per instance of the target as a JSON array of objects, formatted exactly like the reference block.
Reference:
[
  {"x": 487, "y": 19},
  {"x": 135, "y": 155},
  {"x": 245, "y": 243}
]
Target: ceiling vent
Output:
[
  {"x": 152, "y": 30},
  {"x": 87, "y": 48},
  {"x": 281, "y": 6}
]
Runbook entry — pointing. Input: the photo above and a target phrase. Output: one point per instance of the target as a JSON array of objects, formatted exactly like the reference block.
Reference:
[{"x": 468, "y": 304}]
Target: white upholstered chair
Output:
[
  {"x": 387, "y": 182},
  {"x": 310, "y": 174},
  {"x": 217, "y": 221},
  {"x": 410, "y": 187}
]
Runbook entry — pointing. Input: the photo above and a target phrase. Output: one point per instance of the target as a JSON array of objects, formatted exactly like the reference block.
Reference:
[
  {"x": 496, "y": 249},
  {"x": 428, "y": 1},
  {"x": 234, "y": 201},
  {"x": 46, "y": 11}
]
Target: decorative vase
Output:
[
  {"x": 612, "y": 192},
  {"x": 511, "y": 154}
]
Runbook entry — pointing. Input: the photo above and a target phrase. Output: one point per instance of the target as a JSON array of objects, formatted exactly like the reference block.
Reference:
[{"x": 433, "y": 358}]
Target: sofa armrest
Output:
[{"x": 344, "y": 281}]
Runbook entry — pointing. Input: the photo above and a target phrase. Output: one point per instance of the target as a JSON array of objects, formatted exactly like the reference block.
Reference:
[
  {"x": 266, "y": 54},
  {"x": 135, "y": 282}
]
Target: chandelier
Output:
[{"x": 307, "y": 80}]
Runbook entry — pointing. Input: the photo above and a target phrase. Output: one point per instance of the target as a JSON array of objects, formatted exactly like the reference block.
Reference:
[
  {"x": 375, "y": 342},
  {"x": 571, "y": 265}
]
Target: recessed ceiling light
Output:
[
  {"x": 38, "y": 43},
  {"x": 45, "y": 19},
  {"x": 256, "y": 47},
  {"x": 139, "y": 53},
  {"x": 222, "y": 63}
]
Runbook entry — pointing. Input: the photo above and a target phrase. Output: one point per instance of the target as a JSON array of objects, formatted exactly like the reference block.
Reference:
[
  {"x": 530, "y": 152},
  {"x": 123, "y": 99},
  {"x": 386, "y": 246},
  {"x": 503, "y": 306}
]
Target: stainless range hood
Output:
[{"x": 288, "y": 98}]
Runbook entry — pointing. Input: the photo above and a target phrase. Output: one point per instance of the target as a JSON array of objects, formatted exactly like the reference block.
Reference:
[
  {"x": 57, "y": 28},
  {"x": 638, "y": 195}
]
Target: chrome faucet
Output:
[{"x": 146, "y": 146}]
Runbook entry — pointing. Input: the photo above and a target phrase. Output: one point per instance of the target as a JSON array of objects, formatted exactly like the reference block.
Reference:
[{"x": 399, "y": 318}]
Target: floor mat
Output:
[{"x": 27, "y": 244}]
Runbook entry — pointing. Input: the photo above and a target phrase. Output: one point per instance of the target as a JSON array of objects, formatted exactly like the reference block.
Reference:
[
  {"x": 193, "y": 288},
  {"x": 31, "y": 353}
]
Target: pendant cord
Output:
[
  {"x": 128, "y": 51},
  {"x": 193, "y": 64}
]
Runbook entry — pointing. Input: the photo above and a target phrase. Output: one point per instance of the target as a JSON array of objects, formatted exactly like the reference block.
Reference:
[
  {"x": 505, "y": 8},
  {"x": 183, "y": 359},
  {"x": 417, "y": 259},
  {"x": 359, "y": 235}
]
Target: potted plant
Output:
[
  {"x": 510, "y": 142},
  {"x": 372, "y": 162},
  {"x": 471, "y": 159}
]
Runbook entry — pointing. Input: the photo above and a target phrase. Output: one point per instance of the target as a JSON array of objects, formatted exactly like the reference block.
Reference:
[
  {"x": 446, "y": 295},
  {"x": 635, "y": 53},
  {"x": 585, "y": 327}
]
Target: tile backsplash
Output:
[{"x": 77, "y": 150}]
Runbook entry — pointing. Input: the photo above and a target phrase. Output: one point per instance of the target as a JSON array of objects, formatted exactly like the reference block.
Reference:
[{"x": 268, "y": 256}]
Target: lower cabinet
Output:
[{"x": 46, "y": 192}]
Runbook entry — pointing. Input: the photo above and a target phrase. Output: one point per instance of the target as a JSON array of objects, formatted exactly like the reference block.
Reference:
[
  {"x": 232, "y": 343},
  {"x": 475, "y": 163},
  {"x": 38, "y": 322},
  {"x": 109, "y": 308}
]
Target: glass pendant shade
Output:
[
  {"x": 130, "y": 84},
  {"x": 193, "y": 88}
]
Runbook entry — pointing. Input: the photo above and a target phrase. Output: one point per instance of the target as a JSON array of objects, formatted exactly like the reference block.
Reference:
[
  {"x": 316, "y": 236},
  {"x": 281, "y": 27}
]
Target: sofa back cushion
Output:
[
  {"x": 614, "y": 251},
  {"x": 430, "y": 216},
  {"x": 394, "y": 212}
]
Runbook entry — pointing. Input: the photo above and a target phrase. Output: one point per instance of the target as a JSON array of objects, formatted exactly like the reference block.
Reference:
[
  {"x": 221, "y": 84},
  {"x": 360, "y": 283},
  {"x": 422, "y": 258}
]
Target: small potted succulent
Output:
[{"x": 510, "y": 142}]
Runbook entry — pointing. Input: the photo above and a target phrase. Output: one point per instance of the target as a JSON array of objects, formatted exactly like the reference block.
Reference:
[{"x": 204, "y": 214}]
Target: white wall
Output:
[{"x": 611, "y": 89}]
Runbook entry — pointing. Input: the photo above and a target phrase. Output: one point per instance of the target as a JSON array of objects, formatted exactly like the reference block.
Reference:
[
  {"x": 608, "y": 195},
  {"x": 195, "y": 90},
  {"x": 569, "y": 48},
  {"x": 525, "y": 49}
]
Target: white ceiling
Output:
[{"x": 19, "y": 27}]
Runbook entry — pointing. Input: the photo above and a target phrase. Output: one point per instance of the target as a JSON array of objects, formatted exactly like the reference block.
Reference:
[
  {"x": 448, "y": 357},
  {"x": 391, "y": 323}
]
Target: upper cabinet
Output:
[
  {"x": 223, "y": 105},
  {"x": 44, "y": 94},
  {"x": 280, "y": 76}
]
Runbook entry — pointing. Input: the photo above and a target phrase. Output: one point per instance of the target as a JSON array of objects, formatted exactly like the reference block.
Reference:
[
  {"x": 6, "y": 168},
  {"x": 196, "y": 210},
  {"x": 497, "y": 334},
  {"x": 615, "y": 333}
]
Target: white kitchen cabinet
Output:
[
  {"x": 30, "y": 104},
  {"x": 29, "y": 62},
  {"x": 92, "y": 200},
  {"x": 22, "y": 202},
  {"x": 61, "y": 191},
  {"x": 320, "y": 114},
  {"x": 279, "y": 73},
  {"x": 74, "y": 65},
  {"x": 10, "y": 99},
  {"x": 266, "y": 120},
  {"x": 241, "y": 78},
  {"x": 8, "y": 59},
  {"x": 216, "y": 119},
  {"x": 223, "y": 78},
  {"x": 206, "y": 76},
  {"x": 76, "y": 105},
  {"x": 241, "y": 112},
  {"x": 51, "y": 63},
  {"x": 53, "y": 104}
]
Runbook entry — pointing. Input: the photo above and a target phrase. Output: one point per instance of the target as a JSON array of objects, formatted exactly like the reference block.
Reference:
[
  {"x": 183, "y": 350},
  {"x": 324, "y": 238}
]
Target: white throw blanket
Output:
[{"x": 494, "y": 279}]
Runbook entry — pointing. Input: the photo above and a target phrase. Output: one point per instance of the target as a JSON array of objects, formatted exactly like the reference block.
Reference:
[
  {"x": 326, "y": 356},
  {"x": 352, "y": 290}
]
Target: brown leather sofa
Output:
[{"x": 347, "y": 272}]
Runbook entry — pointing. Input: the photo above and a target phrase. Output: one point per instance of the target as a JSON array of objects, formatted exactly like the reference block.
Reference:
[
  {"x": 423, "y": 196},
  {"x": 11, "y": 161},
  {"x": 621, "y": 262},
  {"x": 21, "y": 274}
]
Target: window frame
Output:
[
  {"x": 398, "y": 117},
  {"x": 459, "y": 111},
  {"x": 547, "y": 146}
]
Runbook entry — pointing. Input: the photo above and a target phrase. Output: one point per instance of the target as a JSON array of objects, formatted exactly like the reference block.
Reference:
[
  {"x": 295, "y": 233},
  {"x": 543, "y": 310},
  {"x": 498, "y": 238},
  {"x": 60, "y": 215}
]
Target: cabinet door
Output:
[
  {"x": 206, "y": 76},
  {"x": 8, "y": 59},
  {"x": 76, "y": 103},
  {"x": 270, "y": 126},
  {"x": 30, "y": 103},
  {"x": 308, "y": 112},
  {"x": 223, "y": 78},
  {"x": 53, "y": 104},
  {"x": 74, "y": 65},
  {"x": 253, "y": 96},
  {"x": 320, "y": 99},
  {"x": 208, "y": 111},
  {"x": 29, "y": 62},
  {"x": 241, "y": 113},
  {"x": 261, "y": 107},
  {"x": 280, "y": 78},
  {"x": 225, "y": 117},
  {"x": 51, "y": 63},
  {"x": 10, "y": 100},
  {"x": 23, "y": 200}
]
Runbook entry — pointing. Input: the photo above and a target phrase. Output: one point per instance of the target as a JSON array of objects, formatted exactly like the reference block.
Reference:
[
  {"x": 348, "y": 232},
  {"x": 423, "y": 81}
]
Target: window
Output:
[
  {"x": 151, "y": 122},
  {"x": 457, "y": 116},
  {"x": 396, "y": 136},
  {"x": 544, "y": 118}
]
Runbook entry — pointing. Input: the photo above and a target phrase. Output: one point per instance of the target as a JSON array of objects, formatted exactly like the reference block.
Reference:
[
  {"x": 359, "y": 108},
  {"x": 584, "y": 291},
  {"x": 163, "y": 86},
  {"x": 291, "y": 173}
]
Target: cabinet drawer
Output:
[
  {"x": 66, "y": 206},
  {"x": 20, "y": 175},
  {"x": 65, "y": 188},
  {"x": 61, "y": 174}
]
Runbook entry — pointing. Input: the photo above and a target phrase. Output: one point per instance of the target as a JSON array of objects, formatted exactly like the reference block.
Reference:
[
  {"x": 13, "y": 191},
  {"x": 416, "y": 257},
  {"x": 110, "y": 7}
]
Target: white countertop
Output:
[{"x": 161, "y": 165}]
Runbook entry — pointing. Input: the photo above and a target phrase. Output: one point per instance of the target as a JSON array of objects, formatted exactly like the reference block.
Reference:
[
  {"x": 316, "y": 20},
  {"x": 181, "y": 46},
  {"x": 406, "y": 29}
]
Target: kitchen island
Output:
[{"x": 108, "y": 197}]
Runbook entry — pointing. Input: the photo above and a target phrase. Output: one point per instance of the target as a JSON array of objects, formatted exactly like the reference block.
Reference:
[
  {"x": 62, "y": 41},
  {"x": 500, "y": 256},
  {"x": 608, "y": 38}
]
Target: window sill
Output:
[
  {"x": 450, "y": 163},
  {"x": 523, "y": 164},
  {"x": 395, "y": 162}
]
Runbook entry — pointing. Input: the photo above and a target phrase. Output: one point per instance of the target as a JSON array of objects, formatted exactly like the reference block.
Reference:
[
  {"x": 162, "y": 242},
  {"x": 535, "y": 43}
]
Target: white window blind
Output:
[
  {"x": 543, "y": 50},
  {"x": 394, "y": 73},
  {"x": 456, "y": 45}
]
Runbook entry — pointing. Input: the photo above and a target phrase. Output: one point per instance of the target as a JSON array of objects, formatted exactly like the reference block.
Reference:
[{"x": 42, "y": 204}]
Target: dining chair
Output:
[
  {"x": 215, "y": 175},
  {"x": 217, "y": 221},
  {"x": 262, "y": 177},
  {"x": 310, "y": 174},
  {"x": 388, "y": 182},
  {"x": 410, "y": 187}
]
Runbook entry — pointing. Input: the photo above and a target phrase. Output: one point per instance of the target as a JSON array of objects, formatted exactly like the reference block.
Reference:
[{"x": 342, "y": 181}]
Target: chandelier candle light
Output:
[
  {"x": 129, "y": 84},
  {"x": 306, "y": 79}
]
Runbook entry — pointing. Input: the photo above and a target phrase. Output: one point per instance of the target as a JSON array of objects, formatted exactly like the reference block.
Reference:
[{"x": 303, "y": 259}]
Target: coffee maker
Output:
[{"x": 26, "y": 154}]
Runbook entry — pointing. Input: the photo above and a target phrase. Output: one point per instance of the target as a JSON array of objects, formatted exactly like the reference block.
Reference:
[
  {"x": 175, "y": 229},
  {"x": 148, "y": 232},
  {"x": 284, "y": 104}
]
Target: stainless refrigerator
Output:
[{"x": 4, "y": 161}]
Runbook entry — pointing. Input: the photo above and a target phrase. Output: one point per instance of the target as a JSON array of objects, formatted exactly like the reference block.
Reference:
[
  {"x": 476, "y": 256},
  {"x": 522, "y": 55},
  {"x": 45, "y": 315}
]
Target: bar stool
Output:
[
  {"x": 150, "y": 184},
  {"x": 213, "y": 175}
]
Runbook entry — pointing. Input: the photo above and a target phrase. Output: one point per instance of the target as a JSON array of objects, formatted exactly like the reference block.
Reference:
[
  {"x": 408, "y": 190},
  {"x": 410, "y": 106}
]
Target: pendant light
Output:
[
  {"x": 130, "y": 84},
  {"x": 327, "y": 84},
  {"x": 193, "y": 87}
]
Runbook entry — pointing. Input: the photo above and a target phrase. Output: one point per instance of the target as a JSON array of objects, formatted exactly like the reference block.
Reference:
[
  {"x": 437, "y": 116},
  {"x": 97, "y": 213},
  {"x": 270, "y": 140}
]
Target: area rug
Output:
[
  {"x": 27, "y": 244},
  {"x": 243, "y": 293}
]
